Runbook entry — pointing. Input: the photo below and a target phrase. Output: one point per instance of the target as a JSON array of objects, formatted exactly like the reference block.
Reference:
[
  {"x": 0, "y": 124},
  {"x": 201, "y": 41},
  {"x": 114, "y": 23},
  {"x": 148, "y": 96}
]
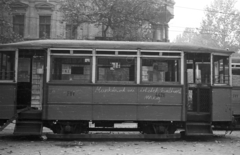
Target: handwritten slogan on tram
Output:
[
  {"x": 140, "y": 94},
  {"x": 160, "y": 94},
  {"x": 115, "y": 95}
]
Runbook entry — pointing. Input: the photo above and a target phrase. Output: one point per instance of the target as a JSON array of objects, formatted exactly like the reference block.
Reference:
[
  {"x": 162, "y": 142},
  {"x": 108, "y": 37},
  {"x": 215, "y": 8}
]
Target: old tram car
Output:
[{"x": 65, "y": 84}]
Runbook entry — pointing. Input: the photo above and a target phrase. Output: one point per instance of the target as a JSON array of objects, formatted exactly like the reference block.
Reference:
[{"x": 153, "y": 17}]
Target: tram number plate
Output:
[
  {"x": 70, "y": 93},
  {"x": 235, "y": 96}
]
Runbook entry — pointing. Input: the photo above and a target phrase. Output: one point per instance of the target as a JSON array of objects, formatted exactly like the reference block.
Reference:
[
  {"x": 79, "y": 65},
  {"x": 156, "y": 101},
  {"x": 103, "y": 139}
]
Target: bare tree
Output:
[{"x": 189, "y": 36}]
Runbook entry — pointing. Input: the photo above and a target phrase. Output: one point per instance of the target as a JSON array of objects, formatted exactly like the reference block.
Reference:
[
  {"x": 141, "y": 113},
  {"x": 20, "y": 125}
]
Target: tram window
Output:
[
  {"x": 71, "y": 69},
  {"x": 160, "y": 71},
  {"x": 236, "y": 76},
  {"x": 116, "y": 70},
  {"x": 7, "y": 65},
  {"x": 221, "y": 70},
  {"x": 202, "y": 72},
  {"x": 236, "y": 72}
]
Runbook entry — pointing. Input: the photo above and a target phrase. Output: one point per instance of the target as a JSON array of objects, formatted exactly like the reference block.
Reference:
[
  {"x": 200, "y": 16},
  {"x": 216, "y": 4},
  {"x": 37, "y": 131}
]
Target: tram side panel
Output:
[
  {"x": 7, "y": 100},
  {"x": 143, "y": 103},
  {"x": 236, "y": 101},
  {"x": 160, "y": 103},
  {"x": 221, "y": 108}
]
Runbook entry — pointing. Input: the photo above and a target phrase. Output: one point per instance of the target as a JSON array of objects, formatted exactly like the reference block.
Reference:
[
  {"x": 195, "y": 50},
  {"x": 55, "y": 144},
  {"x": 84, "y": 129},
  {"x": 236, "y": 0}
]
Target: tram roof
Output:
[{"x": 125, "y": 45}]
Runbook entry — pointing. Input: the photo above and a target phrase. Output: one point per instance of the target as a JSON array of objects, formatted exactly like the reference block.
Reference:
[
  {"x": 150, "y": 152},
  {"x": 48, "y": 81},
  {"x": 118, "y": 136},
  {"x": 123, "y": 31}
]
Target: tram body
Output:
[{"x": 65, "y": 84}]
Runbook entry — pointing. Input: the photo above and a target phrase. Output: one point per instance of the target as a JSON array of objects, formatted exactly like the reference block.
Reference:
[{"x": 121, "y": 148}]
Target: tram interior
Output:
[
  {"x": 198, "y": 78},
  {"x": 30, "y": 79}
]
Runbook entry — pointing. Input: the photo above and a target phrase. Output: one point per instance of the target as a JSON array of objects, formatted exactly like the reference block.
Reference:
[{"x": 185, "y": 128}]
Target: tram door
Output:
[
  {"x": 30, "y": 79},
  {"x": 199, "y": 90}
]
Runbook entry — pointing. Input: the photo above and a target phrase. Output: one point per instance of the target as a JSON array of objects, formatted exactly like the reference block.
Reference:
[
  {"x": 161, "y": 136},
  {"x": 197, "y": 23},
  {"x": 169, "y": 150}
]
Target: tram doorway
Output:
[
  {"x": 30, "y": 79},
  {"x": 199, "y": 88}
]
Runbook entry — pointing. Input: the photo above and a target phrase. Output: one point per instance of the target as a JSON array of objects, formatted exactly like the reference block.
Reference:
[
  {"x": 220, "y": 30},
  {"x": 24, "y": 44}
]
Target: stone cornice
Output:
[
  {"x": 45, "y": 6},
  {"x": 19, "y": 6}
]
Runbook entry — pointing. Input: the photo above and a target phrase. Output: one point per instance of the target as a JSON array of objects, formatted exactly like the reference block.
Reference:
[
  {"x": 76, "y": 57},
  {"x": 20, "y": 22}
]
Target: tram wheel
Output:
[
  {"x": 69, "y": 127},
  {"x": 146, "y": 128}
]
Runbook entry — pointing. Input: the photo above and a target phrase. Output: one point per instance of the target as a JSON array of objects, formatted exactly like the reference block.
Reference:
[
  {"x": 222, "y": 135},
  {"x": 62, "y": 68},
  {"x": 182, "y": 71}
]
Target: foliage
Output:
[
  {"x": 189, "y": 35},
  {"x": 7, "y": 34},
  {"x": 126, "y": 19},
  {"x": 220, "y": 27}
]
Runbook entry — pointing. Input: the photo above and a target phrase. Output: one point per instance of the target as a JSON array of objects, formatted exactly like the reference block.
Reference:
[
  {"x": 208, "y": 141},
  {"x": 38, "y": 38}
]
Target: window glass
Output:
[
  {"x": 71, "y": 31},
  {"x": 116, "y": 69},
  {"x": 198, "y": 68},
  {"x": 7, "y": 65},
  {"x": 71, "y": 69},
  {"x": 201, "y": 73},
  {"x": 18, "y": 24},
  {"x": 221, "y": 70},
  {"x": 236, "y": 72},
  {"x": 44, "y": 26},
  {"x": 160, "y": 71},
  {"x": 24, "y": 69}
]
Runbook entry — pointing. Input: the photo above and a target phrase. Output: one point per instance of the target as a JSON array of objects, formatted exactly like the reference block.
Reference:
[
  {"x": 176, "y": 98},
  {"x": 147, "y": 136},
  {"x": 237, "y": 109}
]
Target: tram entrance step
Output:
[
  {"x": 28, "y": 128},
  {"x": 197, "y": 129},
  {"x": 31, "y": 114},
  {"x": 198, "y": 117},
  {"x": 29, "y": 123}
]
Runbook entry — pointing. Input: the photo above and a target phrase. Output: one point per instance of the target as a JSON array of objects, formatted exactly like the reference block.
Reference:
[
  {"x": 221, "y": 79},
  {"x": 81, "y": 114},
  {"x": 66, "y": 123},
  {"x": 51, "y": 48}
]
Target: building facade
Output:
[{"x": 41, "y": 19}]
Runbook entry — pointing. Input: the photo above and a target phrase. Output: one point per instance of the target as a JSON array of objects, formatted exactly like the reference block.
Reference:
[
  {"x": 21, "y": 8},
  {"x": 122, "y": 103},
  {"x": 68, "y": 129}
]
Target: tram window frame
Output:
[
  {"x": 177, "y": 77},
  {"x": 7, "y": 68},
  {"x": 116, "y": 65},
  {"x": 236, "y": 71},
  {"x": 83, "y": 75},
  {"x": 221, "y": 70}
]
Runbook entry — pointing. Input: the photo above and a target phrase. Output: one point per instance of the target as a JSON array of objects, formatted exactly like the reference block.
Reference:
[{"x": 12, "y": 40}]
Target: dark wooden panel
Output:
[
  {"x": 69, "y": 94},
  {"x": 160, "y": 95},
  {"x": 69, "y": 112},
  {"x": 7, "y": 101},
  {"x": 221, "y": 98},
  {"x": 114, "y": 112},
  {"x": 24, "y": 94},
  {"x": 160, "y": 113},
  {"x": 114, "y": 95}
]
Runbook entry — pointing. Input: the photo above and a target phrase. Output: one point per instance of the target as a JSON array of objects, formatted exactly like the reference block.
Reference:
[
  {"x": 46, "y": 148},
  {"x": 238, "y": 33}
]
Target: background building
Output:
[{"x": 41, "y": 19}]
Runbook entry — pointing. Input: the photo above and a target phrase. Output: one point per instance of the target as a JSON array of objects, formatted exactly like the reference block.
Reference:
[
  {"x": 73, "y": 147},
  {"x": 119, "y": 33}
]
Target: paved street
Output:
[{"x": 219, "y": 144}]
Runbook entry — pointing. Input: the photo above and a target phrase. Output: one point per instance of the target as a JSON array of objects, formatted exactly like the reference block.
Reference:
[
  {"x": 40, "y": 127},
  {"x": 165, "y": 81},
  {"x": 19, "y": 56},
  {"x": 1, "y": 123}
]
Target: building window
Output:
[
  {"x": 18, "y": 24},
  {"x": 71, "y": 31},
  {"x": 7, "y": 65},
  {"x": 116, "y": 69},
  {"x": 44, "y": 26},
  {"x": 68, "y": 31},
  {"x": 71, "y": 69},
  {"x": 160, "y": 71}
]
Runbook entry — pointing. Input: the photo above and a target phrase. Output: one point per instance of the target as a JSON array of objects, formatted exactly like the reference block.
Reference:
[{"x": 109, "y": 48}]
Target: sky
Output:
[{"x": 188, "y": 13}]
